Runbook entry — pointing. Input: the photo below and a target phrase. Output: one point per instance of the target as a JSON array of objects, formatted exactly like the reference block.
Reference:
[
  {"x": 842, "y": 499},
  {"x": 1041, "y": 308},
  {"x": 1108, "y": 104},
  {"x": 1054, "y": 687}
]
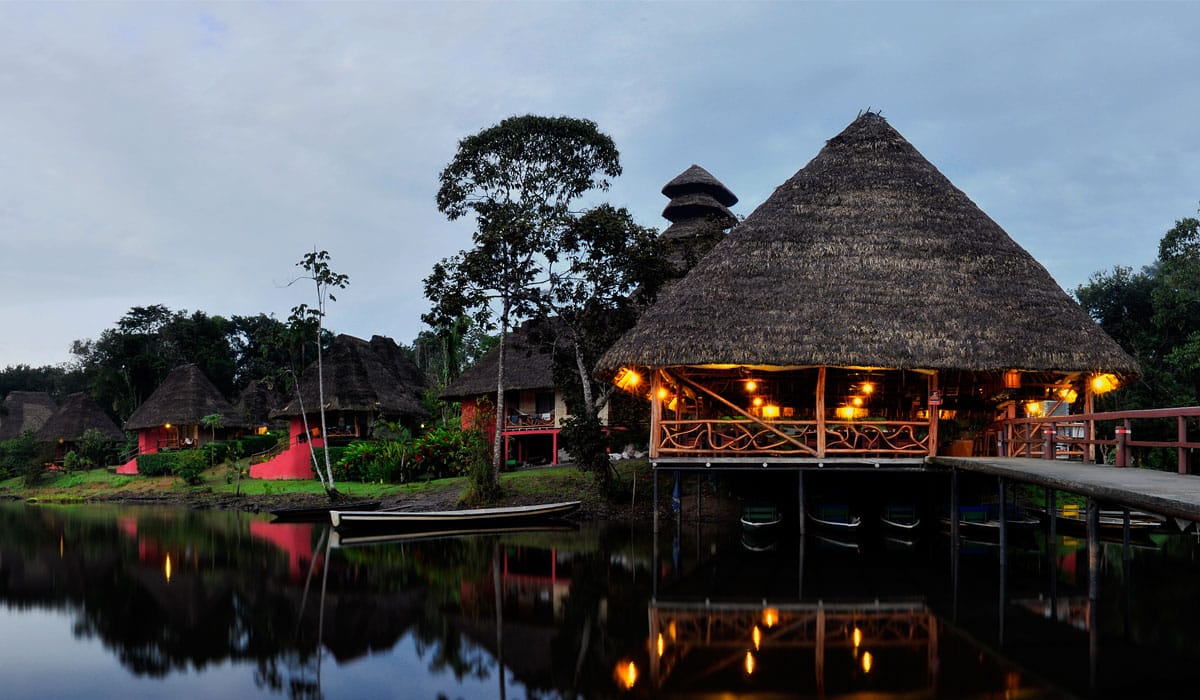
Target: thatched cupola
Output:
[
  {"x": 699, "y": 215},
  {"x": 867, "y": 268}
]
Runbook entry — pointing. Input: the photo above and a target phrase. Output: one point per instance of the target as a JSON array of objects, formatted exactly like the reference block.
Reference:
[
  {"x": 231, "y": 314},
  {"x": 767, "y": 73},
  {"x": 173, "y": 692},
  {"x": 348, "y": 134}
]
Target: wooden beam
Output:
[
  {"x": 729, "y": 404},
  {"x": 820, "y": 409},
  {"x": 655, "y": 414},
  {"x": 934, "y": 411}
]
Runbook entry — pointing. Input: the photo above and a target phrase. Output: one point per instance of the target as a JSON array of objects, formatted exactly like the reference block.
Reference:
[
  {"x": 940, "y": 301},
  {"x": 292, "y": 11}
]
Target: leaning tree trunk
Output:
[{"x": 321, "y": 405}]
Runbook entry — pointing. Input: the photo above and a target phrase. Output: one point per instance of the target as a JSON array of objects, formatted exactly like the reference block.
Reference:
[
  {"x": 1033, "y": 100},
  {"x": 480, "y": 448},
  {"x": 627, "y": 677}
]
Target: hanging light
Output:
[
  {"x": 770, "y": 411},
  {"x": 1035, "y": 409},
  {"x": 857, "y": 637},
  {"x": 1068, "y": 394},
  {"x": 1012, "y": 379},
  {"x": 748, "y": 663},
  {"x": 867, "y": 388},
  {"x": 663, "y": 393},
  {"x": 756, "y": 636},
  {"x": 758, "y": 401},
  {"x": 867, "y": 661},
  {"x": 770, "y": 617},
  {"x": 627, "y": 379},
  {"x": 1104, "y": 383},
  {"x": 751, "y": 386},
  {"x": 856, "y": 401}
]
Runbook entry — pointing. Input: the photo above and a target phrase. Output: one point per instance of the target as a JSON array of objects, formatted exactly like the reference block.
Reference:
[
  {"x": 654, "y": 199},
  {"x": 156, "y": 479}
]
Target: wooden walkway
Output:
[{"x": 1159, "y": 492}]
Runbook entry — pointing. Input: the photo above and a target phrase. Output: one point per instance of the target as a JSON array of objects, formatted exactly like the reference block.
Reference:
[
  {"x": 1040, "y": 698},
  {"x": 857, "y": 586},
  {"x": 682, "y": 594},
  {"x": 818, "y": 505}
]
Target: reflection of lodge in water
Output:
[{"x": 888, "y": 647}]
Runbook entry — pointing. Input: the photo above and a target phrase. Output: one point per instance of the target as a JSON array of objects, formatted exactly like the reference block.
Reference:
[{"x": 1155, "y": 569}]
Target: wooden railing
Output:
[
  {"x": 748, "y": 438},
  {"x": 521, "y": 421},
  {"x": 1086, "y": 436}
]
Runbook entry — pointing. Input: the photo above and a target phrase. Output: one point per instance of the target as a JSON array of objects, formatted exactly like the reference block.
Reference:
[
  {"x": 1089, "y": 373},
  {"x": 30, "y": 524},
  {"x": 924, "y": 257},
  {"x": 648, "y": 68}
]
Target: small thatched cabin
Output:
[
  {"x": 172, "y": 418},
  {"x": 77, "y": 415},
  {"x": 25, "y": 410},
  {"x": 864, "y": 303},
  {"x": 363, "y": 382},
  {"x": 533, "y": 404}
]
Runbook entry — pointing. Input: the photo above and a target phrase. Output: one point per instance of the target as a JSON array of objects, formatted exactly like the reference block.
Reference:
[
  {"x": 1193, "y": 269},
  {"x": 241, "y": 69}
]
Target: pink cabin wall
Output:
[{"x": 293, "y": 463}]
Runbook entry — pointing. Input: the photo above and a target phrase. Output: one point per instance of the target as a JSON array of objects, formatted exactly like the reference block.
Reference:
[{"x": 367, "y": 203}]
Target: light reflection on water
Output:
[{"x": 250, "y": 607}]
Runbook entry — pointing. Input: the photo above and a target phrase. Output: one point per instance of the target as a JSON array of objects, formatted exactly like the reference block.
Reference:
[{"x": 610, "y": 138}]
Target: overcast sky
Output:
[{"x": 189, "y": 154}]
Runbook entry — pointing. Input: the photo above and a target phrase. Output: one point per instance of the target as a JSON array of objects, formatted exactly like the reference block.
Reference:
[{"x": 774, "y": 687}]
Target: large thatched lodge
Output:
[{"x": 867, "y": 313}]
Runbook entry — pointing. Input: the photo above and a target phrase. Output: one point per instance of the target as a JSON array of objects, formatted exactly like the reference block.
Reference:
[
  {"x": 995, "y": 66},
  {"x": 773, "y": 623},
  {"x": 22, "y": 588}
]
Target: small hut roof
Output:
[
  {"x": 697, "y": 179},
  {"x": 695, "y": 205},
  {"x": 363, "y": 376},
  {"x": 25, "y": 410},
  {"x": 78, "y": 414},
  {"x": 868, "y": 256},
  {"x": 526, "y": 366},
  {"x": 183, "y": 398}
]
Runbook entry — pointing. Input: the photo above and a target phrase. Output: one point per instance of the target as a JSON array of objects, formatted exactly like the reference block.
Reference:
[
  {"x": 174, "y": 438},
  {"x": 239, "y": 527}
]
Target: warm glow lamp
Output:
[
  {"x": 1104, "y": 383},
  {"x": 751, "y": 386},
  {"x": 770, "y": 411}
]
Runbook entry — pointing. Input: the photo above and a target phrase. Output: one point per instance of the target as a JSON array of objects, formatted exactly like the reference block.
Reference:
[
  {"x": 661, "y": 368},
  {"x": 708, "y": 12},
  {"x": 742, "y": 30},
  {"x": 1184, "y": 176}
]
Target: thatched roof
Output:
[
  {"x": 869, "y": 256},
  {"x": 183, "y": 398},
  {"x": 697, "y": 179},
  {"x": 526, "y": 366},
  {"x": 256, "y": 403},
  {"x": 697, "y": 205},
  {"x": 78, "y": 414},
  {"x": 359, "y": 375},
  {"x": 25, "y": 410}
]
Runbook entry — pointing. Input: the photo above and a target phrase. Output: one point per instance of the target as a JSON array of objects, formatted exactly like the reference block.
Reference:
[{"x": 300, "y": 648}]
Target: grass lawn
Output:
[{"x": 547, "y": 484}]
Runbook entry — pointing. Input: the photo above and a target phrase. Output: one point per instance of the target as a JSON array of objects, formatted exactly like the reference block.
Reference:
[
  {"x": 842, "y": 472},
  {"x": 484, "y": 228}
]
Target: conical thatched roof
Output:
[
  {"x": 184, "y": 397},
  {"x": 697, "y": 179},
  {"x": 25, "y": 410},
  {"x": 363, "y": 376},
  {"x": 526, "y": 366},
  {"x": 869, "y": 256},
  {"x": 78, "y": 414}
]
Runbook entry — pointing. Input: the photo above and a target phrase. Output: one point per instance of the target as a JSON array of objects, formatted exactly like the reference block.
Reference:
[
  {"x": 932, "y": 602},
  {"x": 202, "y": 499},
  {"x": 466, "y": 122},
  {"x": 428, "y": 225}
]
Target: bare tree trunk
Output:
[
  {"x": 584, "y": 381},
  {"x": 321, "y": 399},
  {"x": 498, "y": 440},
  {"x": 312, "y": 452}
]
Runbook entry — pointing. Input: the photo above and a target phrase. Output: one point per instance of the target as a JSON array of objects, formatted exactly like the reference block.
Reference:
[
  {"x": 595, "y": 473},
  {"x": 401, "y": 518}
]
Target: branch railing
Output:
[
  {"x": 1086, "y": 436},
  {"x": 747, "y": 438}
]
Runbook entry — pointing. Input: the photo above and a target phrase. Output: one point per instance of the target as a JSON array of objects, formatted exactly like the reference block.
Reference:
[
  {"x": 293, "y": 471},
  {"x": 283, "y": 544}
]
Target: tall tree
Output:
[
  {"x": 316, "y": 268},
  {"x": 518, "y": 179},
  {"x": 609, "y": 268}
]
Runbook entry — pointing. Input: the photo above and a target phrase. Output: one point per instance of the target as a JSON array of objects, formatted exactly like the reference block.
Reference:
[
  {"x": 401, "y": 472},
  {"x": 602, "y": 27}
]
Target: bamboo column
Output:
[
  {"x": 655, "y": 413},
  {"x": 934, "y": 410},
  {"x": 821, "y": 412}
]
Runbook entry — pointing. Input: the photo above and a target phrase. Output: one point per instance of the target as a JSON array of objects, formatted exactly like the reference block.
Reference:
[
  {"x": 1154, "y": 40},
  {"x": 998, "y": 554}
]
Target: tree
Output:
[
  {"x": 316, "y": 268},
  {"x": 610, "y": 268},
  {"x": 518, "y": 179},
  {"x": 1155, "y": 316}
]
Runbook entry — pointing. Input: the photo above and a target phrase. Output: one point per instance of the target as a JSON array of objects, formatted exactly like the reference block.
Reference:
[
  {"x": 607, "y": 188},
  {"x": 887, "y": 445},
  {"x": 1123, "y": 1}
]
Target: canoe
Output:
[
  {"x": 900, "y": 517},
  {"x": 440, "y": 518},
  {"x": 836, "y": 517},
  {"x": 1073, "y": 519},
  {"x": 758, "y": 517},
  {"x": 319, "y": 513},
  {"x": 985, "y": 520}
]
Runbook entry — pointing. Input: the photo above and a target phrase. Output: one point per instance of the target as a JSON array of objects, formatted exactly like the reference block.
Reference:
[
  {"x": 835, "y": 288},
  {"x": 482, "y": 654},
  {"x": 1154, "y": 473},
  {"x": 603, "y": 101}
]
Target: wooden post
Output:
[
  {"x": 1181, "y": 451},
  {"x": 933, "y": 415},
  {"x": 655, "y": 414},
  {"x": 820, "y": 409},
  {"x": 1122, "y": 458},
  {"x": 1048, "y": 440},
  {"x": 1089, "y": 407}
]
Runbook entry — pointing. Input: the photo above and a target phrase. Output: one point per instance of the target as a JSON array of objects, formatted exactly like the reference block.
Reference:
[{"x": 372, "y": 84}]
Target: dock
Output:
[{"x": 1166, "y": 493}]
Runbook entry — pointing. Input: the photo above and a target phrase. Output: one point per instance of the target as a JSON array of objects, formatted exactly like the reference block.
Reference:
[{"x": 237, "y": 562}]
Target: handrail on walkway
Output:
[{"x": 1076, "y": 437}]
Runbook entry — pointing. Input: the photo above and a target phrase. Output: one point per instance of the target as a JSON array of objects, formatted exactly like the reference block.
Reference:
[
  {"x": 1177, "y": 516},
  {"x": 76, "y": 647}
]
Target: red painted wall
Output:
[{"x": 293, "y": 463}]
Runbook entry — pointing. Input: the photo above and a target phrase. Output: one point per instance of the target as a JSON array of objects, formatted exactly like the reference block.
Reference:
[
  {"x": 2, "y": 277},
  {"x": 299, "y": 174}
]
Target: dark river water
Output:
[{"x": 108, "y": 602}]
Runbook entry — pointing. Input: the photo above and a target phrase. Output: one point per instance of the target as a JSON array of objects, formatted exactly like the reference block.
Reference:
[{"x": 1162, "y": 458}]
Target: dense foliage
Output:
[
  {"x": 1155, "y": 315},
  {"x": 443, "y": 451},
  {"x": 186, "y": 464},
  {"x": 23, "y": 456}
]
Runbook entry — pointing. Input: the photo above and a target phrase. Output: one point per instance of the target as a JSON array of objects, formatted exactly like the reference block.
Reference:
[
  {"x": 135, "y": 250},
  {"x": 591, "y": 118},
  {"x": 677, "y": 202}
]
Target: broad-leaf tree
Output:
[{"x": 518, "y": 180}]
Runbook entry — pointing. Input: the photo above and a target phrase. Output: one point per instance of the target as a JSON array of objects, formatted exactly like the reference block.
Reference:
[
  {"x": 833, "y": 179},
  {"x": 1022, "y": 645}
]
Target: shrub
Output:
[
  {"x": 186, "y": 464},
  {"x": 73, "y": 461},
  {"x": 95, "y": 450},
  {"x": 25, "y": 456},
  {"x": 253, "y": 444},
  {"x": 448, "y": 451},
  {"x": 379, "y": 460}
]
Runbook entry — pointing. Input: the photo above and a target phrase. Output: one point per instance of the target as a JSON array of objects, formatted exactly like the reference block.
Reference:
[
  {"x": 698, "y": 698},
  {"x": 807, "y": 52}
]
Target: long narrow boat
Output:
[
  {"x": 440, "y": 518},
  {"x": 984, "y": 520},
  {"x": 834, "y": 517},
  {"x": 373, "y": 536},
  {"x": 1073, "y": 519},
  {"x": 900, "y": 517}
]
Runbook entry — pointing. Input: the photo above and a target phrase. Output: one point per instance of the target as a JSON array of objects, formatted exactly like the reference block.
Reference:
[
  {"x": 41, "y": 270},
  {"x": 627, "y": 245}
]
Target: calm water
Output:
[{"x": 103, "y": 602}]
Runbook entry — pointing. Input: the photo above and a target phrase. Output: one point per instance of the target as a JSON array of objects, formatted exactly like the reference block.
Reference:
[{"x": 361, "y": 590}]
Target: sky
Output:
[{"x": 189, "y": 154}]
